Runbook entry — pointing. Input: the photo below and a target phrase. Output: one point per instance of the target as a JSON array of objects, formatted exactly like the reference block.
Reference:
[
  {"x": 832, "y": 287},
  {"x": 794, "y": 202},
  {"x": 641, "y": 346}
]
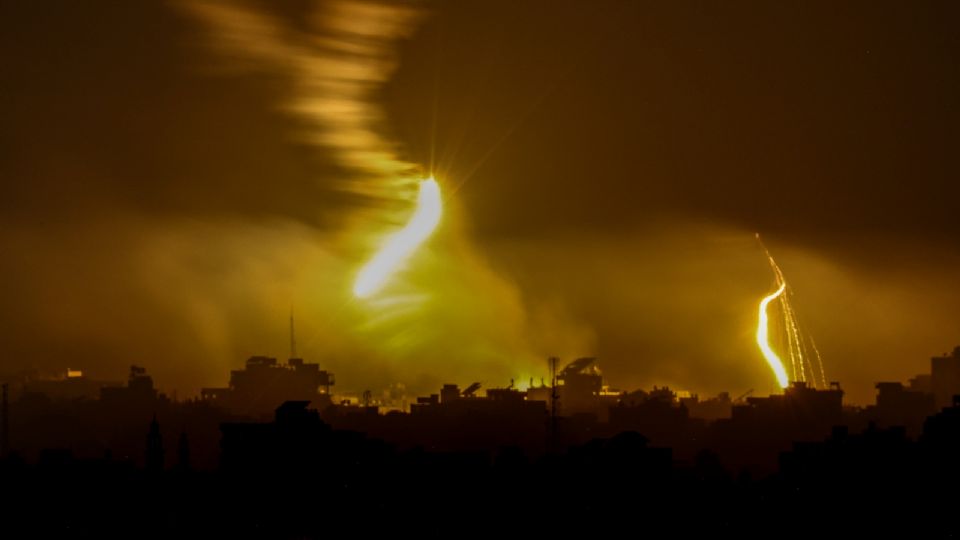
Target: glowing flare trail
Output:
[
  {"x": 401, "y": 245},
  {"x": 763, "y": 342},
  {"x": 800, "y": 347}
]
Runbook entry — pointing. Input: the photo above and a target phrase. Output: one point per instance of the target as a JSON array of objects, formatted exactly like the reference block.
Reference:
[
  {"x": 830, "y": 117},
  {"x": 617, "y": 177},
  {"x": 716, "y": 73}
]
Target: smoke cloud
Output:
[
  {"x": 176, "y": 175},
  {"x": 433, "y": 325}
]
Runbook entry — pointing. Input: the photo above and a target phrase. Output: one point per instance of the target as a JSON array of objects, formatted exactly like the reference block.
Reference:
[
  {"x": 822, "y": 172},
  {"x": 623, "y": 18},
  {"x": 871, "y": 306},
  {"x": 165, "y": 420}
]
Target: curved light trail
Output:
[
  {"x": 763, "y": 339},
  {"x": 399, "y": 247}
]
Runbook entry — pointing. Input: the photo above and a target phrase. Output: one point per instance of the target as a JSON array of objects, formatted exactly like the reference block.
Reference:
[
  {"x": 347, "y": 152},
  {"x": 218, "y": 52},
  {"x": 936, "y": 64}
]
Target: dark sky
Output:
[{"x": 605, "y": 166}]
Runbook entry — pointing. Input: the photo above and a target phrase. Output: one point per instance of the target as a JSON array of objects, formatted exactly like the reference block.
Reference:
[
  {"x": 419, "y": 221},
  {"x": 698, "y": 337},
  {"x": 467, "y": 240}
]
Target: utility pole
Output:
[
  {"x": 554, "y": 398},
  {"x": 5, "y": 418}
]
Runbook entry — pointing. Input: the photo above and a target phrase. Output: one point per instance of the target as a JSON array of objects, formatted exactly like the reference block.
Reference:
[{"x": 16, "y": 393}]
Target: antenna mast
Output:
[
  {"x": 293, "y": 337},
  {"x": 554, "y": 397}
]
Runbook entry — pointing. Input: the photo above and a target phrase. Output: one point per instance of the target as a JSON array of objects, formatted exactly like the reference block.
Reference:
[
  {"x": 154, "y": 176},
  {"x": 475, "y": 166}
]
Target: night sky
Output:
[{"x": 174, "y": 181}]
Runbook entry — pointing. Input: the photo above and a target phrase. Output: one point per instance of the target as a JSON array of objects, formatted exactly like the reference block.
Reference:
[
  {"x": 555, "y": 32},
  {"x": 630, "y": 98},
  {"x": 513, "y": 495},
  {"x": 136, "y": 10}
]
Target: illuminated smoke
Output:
[
  {"x": 334, "y": 58},
  {"x": 401, "y": 245},
  {"x": 336, "y": 65}
]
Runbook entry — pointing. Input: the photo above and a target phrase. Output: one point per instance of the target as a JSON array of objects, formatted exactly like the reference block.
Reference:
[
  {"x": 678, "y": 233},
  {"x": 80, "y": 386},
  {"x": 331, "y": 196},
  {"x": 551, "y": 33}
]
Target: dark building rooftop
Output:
[{"x": 264, "y": 384}]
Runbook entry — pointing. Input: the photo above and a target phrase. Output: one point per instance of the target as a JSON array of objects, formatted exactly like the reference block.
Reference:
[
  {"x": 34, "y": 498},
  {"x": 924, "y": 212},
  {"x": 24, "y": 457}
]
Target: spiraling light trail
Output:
[
  {"x": 401, "y": 245},
  {"x": 763, "y": 341}
]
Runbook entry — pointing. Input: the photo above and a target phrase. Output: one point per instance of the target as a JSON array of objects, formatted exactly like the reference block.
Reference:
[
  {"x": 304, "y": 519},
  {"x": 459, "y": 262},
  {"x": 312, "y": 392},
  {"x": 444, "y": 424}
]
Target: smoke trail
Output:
[
  {"x": 335, "y": 64},
  {"x": 823, "y": 374}
]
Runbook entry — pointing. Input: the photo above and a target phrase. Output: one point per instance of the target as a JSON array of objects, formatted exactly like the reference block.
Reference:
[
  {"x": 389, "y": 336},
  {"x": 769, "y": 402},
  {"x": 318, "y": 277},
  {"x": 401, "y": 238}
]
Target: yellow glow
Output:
[
  {"x": 401, "y": 245},
  {"x": 762, "y": 339},
  {"x": 524, "y": 383}
]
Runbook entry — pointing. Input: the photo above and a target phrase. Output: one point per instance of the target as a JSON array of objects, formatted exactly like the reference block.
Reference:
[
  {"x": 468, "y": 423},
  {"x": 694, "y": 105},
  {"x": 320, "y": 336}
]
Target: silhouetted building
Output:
[
  {"x": 506, "y": 401},
  {"x": 709, "y": 409},
  {"x": 264, "y": 384},
  {"x": 293, "y": 441},
  {"x": 799, "y": 405},
  {"x": 945, "y": 377},
  {"x": 449, "y": 392},
  {"x": 432, "y": 399},
  {"x": 898, "y": 406},
  {"x": 580, "y": 390},
  {"x": 71, "y": 385},
  {"x": 657, "y": 415},
  {"x": 921, "y": 383},
  {"x": 503, "y": 417},
  {"x": 579, "y": 385},
  {"x": 138, "y": 393},
  {"x": 541, "y": 392},
  {"x": 941, "y": 434},
  {"x": 759, "y": 430}
]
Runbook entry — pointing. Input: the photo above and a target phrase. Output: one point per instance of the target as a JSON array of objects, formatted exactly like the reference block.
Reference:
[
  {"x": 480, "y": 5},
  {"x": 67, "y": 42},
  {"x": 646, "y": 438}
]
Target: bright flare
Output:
[
  {"x": 401, "y": 245},
  {"x": 762, "y": 339}
]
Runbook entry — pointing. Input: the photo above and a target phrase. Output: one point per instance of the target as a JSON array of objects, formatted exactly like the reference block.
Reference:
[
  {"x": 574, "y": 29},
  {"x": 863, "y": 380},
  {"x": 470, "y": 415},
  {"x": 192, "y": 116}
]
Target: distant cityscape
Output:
[
  {"x": 574, "y": 406},
  {"x": 278, "y": 426}
]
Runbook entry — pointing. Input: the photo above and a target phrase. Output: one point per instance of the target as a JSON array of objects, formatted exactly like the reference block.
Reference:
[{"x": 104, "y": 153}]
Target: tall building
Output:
[
  {"x": 798, "y": 407},
  {"x": 264, "y": 384},
  {"x": 901, "y": 406},
  {"x": 138, "y": 395},
  {"x": 581, "y": 390},
  {"x": 945, "y": 377}
]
